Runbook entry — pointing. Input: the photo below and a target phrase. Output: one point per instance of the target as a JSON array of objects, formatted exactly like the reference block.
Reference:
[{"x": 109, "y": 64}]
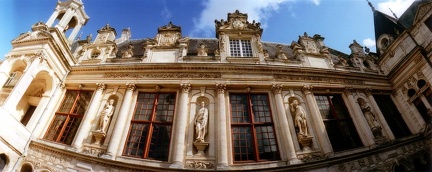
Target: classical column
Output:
[
  {"x": 22, "y": 85},
  {"x": 52, "y": 18},
  {"x": 84, "y": 129},
  {"x": 380, "y": 115},
  {"x": 74, "y": 32},
  {"x": 359, "y": 120},
  {"x": 120, "y": 123},
  {"x": 222, "y": 155},
  {"x": 180, "y": 127},
  {"x": 317, "y": 120},
  {"x": 287, "y": 142}
]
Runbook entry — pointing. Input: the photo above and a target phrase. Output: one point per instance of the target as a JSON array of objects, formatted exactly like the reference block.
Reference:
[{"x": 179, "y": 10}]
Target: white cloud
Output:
[
  {"x": 397, "y": 6},
  {"x": 166, "y": 14},
  {"x": 370, "y": 43},
  {"x": 258, "y": 10}
]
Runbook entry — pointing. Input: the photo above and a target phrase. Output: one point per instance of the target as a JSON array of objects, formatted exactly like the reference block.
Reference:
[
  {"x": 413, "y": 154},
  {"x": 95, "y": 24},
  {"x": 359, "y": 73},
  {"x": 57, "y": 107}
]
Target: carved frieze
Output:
[
  {"x": 161, "y": 75},
  {"x": 238, "y": 22},
  {"x": 319, "y": 79},
  {"x": 200, "y": 164}
]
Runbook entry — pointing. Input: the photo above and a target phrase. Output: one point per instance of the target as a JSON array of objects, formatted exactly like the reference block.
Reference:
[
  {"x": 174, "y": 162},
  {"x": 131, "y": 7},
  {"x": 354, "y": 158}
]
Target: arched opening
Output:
[
  {"x": 421, "y": 83},
  {"x": 15, "y": 74},
  {"x": 366, "y": 64},
  {"x": 27, "y": 106},
  {"x": 411, "y": 92},
  {"x": 26, "y": 168},
  {"x": 3, "y": 161}
]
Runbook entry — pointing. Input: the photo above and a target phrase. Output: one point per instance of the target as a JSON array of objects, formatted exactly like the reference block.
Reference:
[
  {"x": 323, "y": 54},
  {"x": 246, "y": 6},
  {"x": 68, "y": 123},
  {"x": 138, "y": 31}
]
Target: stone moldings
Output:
[
  {"x": 319, "y": 79},
  {"x": 200, "y": 164},
  {"x": 160, "y": 75}
]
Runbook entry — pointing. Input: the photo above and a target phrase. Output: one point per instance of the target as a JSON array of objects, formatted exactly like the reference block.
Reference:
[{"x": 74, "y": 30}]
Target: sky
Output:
[{"x": 338, "y": 21}]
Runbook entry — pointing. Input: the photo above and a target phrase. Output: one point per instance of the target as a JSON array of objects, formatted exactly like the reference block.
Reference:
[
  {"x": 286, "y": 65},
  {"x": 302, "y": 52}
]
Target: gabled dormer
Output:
[
  {"x": 101, "y": 49},
  {"x": 239, "y": 40},
  {"x": 68, "y": 15}
]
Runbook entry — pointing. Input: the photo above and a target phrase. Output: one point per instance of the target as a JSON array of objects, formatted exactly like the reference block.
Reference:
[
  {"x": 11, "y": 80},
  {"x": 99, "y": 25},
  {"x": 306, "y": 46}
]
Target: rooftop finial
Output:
[
  {"x": 394, "y": 15},
  {"x": 370, "y": 4}
]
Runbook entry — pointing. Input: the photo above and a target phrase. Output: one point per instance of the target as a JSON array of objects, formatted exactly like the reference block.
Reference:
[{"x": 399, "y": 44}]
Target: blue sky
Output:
[{"x": 339, "y": 21}]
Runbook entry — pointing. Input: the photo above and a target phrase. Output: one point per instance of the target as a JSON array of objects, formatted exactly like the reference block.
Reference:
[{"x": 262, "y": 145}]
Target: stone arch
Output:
[
  {"x": 15, "y": 70},
  {"x": 421, "y": 83},
  {"x": 42, "y": 85},
  {"x": 26, "y": 167},
  {"x": 4, "y": 161},
  {"x": 411, "y": 92}
]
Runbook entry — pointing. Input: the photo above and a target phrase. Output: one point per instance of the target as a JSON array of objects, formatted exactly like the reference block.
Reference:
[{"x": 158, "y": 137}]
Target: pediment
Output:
[
  {"x": 238, "y": 22},
  {"x": 423, "y": 9},
  {"x": 32, "y": 36}
]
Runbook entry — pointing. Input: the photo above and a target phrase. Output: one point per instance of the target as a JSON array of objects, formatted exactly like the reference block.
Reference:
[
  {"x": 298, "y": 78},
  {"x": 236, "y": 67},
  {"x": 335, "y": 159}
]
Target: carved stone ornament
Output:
[
  {"x": 168, "y": 35},
  {"x": 128, "y": 52},
  {"x": 200, "y": 164},
  {"x": 237, "y": 21},
  {"x": 202, "y": 50},
  {"x": 280, "y": 54},
  {"x": 162, "y": 75},
  {"x": 220, "y": 87},
  {"x": 318, "y": 79},
  {"x": 130, "y": 86},
  {"x": 185, "y": 87},
  {"x": 277, "y": 88},
  {"x": 308, "y": 43}
]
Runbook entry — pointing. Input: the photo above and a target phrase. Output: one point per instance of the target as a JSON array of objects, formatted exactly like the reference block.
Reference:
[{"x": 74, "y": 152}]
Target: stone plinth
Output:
[
  {"x": 200, "y": 146},
  {"x": 305, "y": 142},
  {"x": 98, "y": 135}
]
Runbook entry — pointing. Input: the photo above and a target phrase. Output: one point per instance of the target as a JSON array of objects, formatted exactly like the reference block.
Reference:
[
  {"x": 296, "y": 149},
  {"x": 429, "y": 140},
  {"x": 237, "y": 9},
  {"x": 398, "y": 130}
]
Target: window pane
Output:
[
  {"x": 159, "y": 146},
  {"x": 253, "y": 140},
  {"x": 235, "y": 48},
  {"x": 68, "y": 117},
  {"x": 144, "y": 106},
  {"x": 246, "y": 48},
  {"x": 137, "y": 139},
  {"x": 239, "y": 108},
  {"x": 150, "y": 132},
  {"x": 243, "y": 147}
]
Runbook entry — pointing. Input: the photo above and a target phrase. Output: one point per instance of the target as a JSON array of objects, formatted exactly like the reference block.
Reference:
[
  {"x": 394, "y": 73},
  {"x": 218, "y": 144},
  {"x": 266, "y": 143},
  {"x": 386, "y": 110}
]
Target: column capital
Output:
[
  {"x": 220, "y": 88},
  {"x": 277, "y": 88},
  {"x": 101, "y": 86},
  {"x": 185, "y": 87},
  {"x": 348, "y": 91},
  {"x": 368, "y": 92},
  {"x": 307, "y": 89},
  {"x": 130, "y": 86}
]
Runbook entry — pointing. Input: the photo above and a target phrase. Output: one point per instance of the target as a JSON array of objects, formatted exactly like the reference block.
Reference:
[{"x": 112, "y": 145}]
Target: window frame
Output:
[
  {"x": 253, "y": 125},
  {"x": 148, "y": 135},
  {"x": 347, "y": 119},
  {"x": 58, "y": 133},
  {"x": 244, "y": 46}
]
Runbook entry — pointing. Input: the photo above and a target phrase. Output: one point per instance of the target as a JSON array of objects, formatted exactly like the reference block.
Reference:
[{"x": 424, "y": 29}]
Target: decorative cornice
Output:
[
  {"x": 161, "y": 75},
  {"x": 319, "y": 79}
]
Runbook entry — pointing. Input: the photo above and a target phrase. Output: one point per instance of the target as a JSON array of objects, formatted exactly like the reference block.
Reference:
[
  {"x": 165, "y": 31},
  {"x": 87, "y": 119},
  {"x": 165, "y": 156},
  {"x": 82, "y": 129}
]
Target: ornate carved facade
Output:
[{"x": 234, "y": 102}]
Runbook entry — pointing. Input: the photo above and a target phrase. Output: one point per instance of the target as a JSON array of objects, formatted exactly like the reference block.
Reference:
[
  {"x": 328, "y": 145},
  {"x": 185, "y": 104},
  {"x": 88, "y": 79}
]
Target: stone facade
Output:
[{"x": 131, "y": 105}]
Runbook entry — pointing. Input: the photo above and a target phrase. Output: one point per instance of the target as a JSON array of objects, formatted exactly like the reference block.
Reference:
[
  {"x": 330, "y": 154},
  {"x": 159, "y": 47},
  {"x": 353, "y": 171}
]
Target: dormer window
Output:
[{"x": 240, "y": 48}]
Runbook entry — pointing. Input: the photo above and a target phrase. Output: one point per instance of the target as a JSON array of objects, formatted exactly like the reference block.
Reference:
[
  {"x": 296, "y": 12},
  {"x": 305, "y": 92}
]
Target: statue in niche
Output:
[
  {"x": 202, "y": 50},
  {"x": 105, "y": 116},
  {"x": 201, "y": 119},
  {"x": 300, "y": 117},
  {"x": 371, "y": 118}
]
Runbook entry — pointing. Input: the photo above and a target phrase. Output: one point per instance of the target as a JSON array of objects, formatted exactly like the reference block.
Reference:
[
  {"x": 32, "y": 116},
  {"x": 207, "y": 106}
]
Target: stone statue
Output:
[
  {"x": 201, "y": 119},
  {"x": 300, "y": 117},
  {"x": 202, "y": 50},
  {"x": 105, "y": 115},
  {"x": 371, "y": 118}
]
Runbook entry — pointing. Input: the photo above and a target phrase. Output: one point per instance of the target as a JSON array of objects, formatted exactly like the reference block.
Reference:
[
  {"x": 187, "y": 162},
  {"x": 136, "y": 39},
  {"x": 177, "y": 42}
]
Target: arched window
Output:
[
  {"x": 421, "y": 83},
  {"x": 26, "y": 168},
  {"x": 3, "y": 161},
  {"x": 411, "y": 92}
]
